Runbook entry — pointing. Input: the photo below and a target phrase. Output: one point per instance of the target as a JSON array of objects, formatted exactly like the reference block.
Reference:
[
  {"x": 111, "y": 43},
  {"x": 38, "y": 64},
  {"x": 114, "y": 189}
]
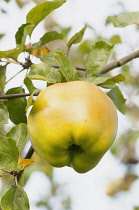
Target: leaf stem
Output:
[
  {"x": 14, "y": 75},
  {"x": 5, "y": 175},
  {"x": 5, "y": 170},
  {"x": 68, "y": 51}
]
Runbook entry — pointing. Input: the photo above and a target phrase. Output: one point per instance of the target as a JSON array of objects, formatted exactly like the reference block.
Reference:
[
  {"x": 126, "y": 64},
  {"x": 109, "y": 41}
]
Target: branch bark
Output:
[
  {"x": 77, "y": 67},
  {"x": 10, "y": 96},
  {"x": 120, "y": 62}
]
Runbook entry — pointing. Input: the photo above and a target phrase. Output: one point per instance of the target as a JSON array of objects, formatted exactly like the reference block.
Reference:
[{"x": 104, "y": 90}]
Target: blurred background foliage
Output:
[{"x": 125, "y": 148}]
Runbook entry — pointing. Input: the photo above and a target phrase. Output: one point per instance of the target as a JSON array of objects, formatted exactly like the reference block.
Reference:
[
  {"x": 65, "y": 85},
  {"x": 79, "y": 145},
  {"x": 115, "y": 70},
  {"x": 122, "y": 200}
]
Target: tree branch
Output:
[
  {"x": 77, "y": 67},
  {"x": 14, "y": 95},
  {"x": 120, "y": 62},
  {"x": 114, "y": 64},
  {"x": 107, "y": 68},
  {"x": 10, "y": 96}
]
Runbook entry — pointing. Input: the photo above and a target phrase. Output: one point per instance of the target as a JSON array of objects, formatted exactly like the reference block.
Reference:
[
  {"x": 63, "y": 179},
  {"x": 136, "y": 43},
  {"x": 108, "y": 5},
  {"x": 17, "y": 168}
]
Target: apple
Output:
[{"x": 73, "y": 124}]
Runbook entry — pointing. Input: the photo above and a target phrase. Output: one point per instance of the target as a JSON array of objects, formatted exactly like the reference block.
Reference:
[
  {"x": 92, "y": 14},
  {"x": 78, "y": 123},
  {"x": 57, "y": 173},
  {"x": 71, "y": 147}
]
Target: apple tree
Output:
[{"x": 56, "y": 58}]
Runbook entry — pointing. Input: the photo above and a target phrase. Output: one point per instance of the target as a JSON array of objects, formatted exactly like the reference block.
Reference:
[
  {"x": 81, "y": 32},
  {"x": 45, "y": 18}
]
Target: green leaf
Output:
[
  {"x": 111, "y": 82},
  {"x": 118, "y": 99},
  {"x": 125, "y": 19},
  {"x": 97, "y": 58},
  {"x": 77, "y": 37},
  {"x": 20, "y": 134},
  {"x": 13, "y": 53},
  {"x": 48, "y": 37},
  {"x": 1, "y": 35},
  {"x": 2, "y": 77},
  {"x": 29, "y": 85},
  {"x": 43, "y": 71},
  {"x": 15, "y": 199},
  {"x": 8, "y": 154},
  {"x": 40, "y": 11},
  {"x": 3, "y": 11},
  {"x": 50, "y": 57},
  {"x": 136, "y": 208},
  {"x": 98, "y": 79},
  {"x": 86, "y": 46},
  {"x": 16, "y": 106},
  {"x": 66, "y": 66},
  {"x": 30, "y": 101},
  {"x": 20, "y": 3},
  {"x": 21, "y": 34},
  {"x": 106, "y": 81},
  {"x": 115, "y": 39},
  {"x": 4, "y": 114},
  {"x": 129, "y": 137},
  {"x": 66, "y": 31}
]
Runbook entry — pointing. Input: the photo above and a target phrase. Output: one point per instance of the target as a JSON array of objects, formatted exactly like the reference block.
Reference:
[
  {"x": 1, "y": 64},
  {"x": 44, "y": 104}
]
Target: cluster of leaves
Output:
[
  {"x": 11, "y": 145},
  {"x": 20, "y": 3},
  {"x": 54, "y": 67},
  {"x": 125, "y": 147}
]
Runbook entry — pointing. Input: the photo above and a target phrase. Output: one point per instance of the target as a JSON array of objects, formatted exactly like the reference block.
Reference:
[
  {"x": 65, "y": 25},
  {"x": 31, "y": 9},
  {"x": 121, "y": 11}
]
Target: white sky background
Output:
[{"x": 87, "y": 190}]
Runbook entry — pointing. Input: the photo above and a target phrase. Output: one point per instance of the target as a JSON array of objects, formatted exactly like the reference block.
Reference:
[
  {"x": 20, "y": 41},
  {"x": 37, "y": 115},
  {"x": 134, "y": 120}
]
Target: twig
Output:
[
  {"x": 10, "y": 96},
  {"x": 14, "y": 61},
  {"x": 120, "y": 62},
  {"x": 30, "y": 153},
  {"x": 77, "y": 67},
  {"x": 14, "y": 75},
  {"x": 28, "y": 156}
]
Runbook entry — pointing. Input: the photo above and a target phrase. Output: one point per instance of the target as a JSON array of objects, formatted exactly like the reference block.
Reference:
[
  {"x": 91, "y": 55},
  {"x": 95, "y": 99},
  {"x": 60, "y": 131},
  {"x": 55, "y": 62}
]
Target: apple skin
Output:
[{"x": 73, "y": 124}]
